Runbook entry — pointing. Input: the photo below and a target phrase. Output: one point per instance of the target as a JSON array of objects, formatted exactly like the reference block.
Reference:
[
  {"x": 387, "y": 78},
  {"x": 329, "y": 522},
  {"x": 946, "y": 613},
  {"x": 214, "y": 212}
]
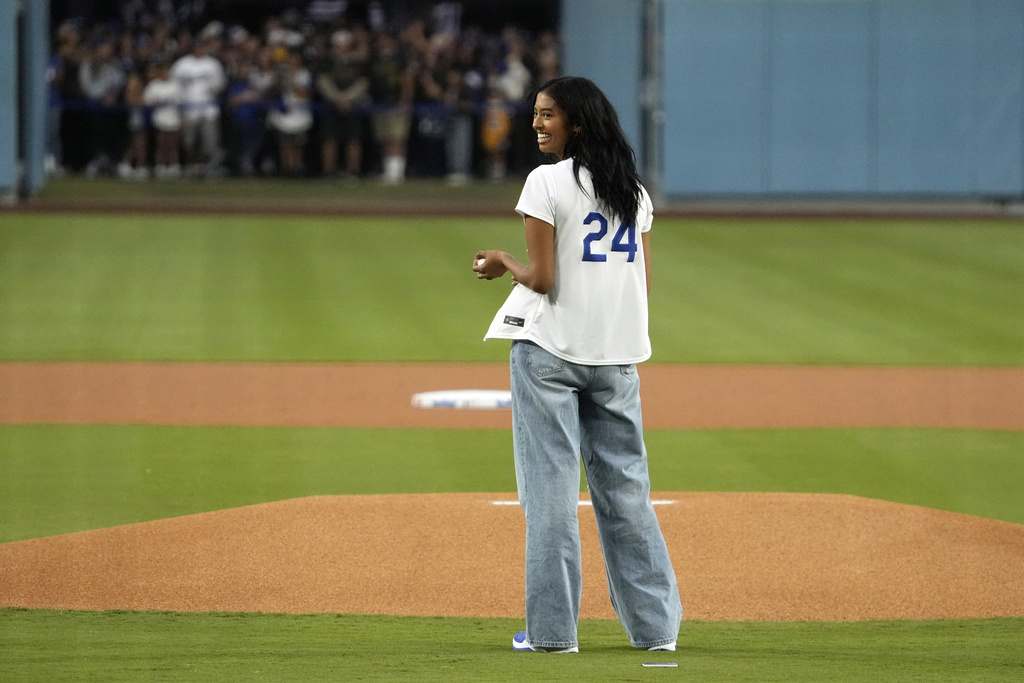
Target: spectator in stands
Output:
[
  {"x": 102, "y": 81},
  {"x": 511, "y": 75},
  {"x": 251, "y": 49},
  {"x": 391, "y": 92},
  {"x": 495, "y": 131},
  {"x": 163, "y": 97},
  {"x": 431, "y": 108},
  {"x": 249, "y": 95},
  {"x": 447, "y": 20},
  {"x": 513, "y": 78},
  {"x": 344, "y": 84},
  {"x": 184, "y": 41},
  {"x": 548, "y": 64},
  {"x": 164, "y": 46},
  {"x": 465, "y": 90},
  {"x": 134, "y": 51},
  {"x": 143, "y": 55},
  {"x": 135, "y": 161},
  {"x": 61, "y": 71},
  {"x": 201, "y": 78},
  {"x": 293, "y": 119},
  {"x": 280, "y": 37},
  {"x": 53, "y": 161}
]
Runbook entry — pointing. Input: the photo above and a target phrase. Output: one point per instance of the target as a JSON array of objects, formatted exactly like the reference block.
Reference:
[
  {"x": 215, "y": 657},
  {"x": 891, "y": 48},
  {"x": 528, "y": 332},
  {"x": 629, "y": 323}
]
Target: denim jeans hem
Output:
[
  {"x": 654, "y": 643},
  {"x": 553, "y": 644}
]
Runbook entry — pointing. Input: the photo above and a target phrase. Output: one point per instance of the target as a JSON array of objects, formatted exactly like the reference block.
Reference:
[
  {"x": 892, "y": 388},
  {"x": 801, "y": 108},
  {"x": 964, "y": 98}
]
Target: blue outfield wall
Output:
[
  {"x": 822, "y": 97},
  {"x": 854, "y": 97},
  {"x": 8, "y": 99},
  {"x": 602, "y": 41},
  {"x": 35, "y": 54},
  {"x": 23, "y": 108}
]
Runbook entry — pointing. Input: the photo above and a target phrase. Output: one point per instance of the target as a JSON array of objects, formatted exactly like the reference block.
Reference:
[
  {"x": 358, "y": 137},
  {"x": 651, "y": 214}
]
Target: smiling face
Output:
[{"x": 552, "y": 125}]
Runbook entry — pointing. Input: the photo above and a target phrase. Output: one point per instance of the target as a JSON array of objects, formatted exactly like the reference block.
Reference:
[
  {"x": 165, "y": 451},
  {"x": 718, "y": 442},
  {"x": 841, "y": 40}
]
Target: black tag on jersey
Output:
[{"x": 518, "y": 322}]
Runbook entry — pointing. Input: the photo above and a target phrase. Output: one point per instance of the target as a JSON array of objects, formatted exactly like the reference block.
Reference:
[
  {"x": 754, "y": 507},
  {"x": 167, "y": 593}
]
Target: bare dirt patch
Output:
[
  {"x": 738, "y": 556},
  {"x": 379, "y": 395}
]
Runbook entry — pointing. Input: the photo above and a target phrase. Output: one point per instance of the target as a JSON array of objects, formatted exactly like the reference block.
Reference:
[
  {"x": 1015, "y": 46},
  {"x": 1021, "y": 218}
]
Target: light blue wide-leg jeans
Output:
[{"x": 560, "y": 412}]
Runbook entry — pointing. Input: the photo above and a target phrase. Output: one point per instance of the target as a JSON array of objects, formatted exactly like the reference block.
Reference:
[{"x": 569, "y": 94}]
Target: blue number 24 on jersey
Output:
[{"x": 624, "y": 239}]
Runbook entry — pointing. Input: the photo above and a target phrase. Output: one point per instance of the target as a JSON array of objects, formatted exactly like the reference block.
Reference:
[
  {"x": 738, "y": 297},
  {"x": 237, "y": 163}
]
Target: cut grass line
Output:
[{"x": 38, "y": 645}]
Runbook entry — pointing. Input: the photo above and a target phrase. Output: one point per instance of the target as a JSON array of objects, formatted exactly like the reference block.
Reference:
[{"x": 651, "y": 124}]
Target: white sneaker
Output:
[
  {"x": 520, "y": 644},
  {"x": 667, "y": 647}
]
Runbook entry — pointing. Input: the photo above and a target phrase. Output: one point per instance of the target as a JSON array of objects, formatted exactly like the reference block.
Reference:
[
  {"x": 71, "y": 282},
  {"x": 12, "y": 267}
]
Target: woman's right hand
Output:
[{"x": 489, "y": 265}]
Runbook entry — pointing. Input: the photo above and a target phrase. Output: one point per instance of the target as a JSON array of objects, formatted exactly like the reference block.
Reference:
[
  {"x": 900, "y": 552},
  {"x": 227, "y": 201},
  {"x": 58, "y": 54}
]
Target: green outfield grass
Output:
[
  {"x": 117, "y": 646},
  {"x": 62, "y": 478},
  {"x": 191, "y": 287},
  {"x": 278, "y": 288}
]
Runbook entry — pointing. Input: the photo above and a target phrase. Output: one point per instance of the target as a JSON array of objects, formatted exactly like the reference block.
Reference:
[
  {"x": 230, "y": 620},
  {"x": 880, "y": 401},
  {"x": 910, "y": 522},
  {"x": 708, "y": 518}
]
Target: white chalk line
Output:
[{"x": 582, "y": 502}]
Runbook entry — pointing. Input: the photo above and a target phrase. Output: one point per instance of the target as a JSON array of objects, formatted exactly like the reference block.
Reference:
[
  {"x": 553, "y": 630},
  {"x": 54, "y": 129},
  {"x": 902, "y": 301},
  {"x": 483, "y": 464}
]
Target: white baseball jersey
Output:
[
  {"x": 201, "y": 79},
  {"x": 164, "y": 97},
  {"x": 596, "y": 312}
]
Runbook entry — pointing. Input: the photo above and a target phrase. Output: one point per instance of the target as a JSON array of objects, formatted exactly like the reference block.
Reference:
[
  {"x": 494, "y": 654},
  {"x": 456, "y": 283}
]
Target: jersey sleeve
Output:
[
  {"x": 538, "y": 196},
  {"x": 645, "y": 216}
]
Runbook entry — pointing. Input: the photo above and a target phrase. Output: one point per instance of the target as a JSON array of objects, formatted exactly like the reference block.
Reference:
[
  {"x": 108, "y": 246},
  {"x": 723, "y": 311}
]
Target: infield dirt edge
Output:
[{"x": 737, "y": 556}]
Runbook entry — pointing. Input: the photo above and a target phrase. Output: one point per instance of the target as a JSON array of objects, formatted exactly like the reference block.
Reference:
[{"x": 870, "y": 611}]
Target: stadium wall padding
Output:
[
  {"x": 24, "y": 53},
  {"x": 602, "y": 41},
  {"x": 8, "y": 100},
  {"x": 824, "y": 97}
]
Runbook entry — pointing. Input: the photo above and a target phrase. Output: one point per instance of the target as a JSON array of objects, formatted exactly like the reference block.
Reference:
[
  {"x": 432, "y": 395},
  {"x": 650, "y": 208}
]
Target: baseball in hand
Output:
[{"x": 480, "y": 261}]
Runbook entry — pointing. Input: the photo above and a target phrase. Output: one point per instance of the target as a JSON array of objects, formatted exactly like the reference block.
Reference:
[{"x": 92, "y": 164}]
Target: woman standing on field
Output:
[{"x": 578, "y": 321}]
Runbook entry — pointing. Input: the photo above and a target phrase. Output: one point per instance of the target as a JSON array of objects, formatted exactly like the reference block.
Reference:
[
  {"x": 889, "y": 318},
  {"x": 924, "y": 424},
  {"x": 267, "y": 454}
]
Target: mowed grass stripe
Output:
[
  {"x": 124, "y": 646},
  {"x": 842, "y": 291},
  {"x": 216, "y": 288},
  {"x": 64, "y": 478},
  {"x": 189, "y": 287}
]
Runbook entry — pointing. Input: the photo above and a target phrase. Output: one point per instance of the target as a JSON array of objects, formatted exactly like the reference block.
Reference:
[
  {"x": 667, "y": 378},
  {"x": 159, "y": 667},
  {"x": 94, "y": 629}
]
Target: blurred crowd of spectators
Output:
[{"x": 159, "y": 93}]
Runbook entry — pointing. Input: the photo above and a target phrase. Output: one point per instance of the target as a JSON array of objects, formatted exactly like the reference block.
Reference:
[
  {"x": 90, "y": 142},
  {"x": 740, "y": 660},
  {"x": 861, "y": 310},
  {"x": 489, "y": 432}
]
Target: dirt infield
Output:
[
  {"x": 379, "y": 395},
  {"x": 738, "y": 556}
]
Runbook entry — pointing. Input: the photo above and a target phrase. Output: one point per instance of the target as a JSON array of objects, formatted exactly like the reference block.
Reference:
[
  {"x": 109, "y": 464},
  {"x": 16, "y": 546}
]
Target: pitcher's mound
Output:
[{"x": 738, "y": 556}]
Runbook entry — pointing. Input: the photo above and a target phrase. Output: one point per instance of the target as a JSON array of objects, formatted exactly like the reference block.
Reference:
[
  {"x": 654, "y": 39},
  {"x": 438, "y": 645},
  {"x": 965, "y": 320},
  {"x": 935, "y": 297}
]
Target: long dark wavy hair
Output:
[{"x": 600, "y": 144}]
